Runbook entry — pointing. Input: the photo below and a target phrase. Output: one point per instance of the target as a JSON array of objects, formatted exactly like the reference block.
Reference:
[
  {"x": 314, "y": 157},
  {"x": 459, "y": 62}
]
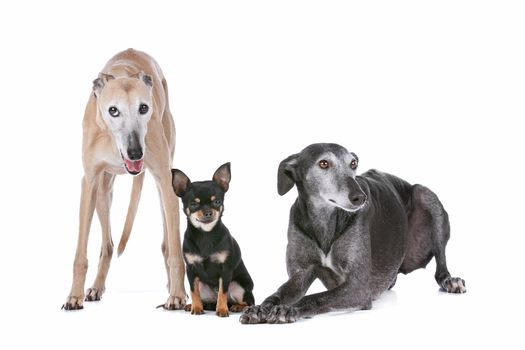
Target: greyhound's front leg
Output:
[
  {"x": 350, "y": 295},
  {"x": 291, "y": 291},
  {"x": 174, "y": 262},
  {"x": 87, "y": 206}
]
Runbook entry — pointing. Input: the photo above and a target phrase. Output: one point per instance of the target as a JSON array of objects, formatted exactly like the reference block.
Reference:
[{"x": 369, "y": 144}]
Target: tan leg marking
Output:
[
  {"x": 222, "y": 302},
  {"x": 196, "y": 302}
]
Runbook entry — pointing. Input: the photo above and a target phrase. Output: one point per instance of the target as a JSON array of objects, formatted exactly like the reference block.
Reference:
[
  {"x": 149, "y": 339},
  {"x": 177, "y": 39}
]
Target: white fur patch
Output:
[
  {"x": 219, "y": 257},
  {"x": 200, "y": 225},
  {"x": 326, "y": 260},
  {"x": 193, "y": 258},
  {"x": 235, "y": 292}
]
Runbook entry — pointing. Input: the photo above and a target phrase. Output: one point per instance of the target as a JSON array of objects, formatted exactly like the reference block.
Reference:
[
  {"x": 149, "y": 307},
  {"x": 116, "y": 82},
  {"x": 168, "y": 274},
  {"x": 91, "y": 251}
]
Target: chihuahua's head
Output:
[{"x": 203, "y": 201}]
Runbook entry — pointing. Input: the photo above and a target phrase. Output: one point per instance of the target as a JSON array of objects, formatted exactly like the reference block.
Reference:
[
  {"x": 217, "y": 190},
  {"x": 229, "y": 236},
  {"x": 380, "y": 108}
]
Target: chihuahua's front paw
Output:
[
  {"x": 283, "y": 314},
  {"x": 254, "y": 314},
  {"x": 73, "y": 303},
  {"x": 173, "y": 303},
  {"x": 222, "y": 312},
  {"x": 195, "y": 309}
]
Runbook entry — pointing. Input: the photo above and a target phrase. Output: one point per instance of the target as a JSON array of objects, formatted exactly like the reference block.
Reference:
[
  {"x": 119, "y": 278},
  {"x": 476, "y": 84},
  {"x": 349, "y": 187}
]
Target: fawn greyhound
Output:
[{"x": 127, "y": 128}]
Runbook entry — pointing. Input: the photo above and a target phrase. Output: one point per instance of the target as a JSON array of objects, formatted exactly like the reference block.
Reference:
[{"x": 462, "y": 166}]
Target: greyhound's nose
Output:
[
  {"x": 208, "y": 214},
  {"x": 357, "y": 199},
  {"x": 135, "y": 153}
]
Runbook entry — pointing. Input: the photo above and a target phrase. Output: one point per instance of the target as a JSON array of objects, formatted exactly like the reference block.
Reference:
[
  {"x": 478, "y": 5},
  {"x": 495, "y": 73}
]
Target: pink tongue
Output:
[{"x": 134, "y": 165}]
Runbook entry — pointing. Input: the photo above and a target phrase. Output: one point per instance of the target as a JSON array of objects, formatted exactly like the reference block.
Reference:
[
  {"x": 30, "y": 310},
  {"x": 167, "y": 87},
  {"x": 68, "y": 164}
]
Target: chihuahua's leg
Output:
[
  {"x": 288, "y": 293},
  {"x": 196, "y": 306},
  {"x": 434, "y": 220},
  {"x": 103, "y": 205},
  {"x": 222, "y": 298},
  {"x": 87, "y": 206}
]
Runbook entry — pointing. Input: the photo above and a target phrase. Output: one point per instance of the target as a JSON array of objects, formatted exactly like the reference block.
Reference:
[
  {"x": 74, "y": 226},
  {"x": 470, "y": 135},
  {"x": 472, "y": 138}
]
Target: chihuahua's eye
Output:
[
  {"x": 143, "y": 109},
  {"x": 217, "y": 202},
  {"x": 113, "y": 111},
  {"x": 323, "y": 164},
  {"x": 353, "y": 164},
  {"x": 193, "y": 205}
]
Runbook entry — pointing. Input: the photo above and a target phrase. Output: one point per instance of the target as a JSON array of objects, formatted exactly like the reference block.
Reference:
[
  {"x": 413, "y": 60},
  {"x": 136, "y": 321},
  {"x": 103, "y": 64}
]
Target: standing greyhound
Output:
[
  {"x": 354, "y": 233},
  {"x": 127, "y": 127}
]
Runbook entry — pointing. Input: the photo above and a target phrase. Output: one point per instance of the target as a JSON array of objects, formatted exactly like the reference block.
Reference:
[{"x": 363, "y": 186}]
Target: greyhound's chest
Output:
[{"x": 326, "y": 260}]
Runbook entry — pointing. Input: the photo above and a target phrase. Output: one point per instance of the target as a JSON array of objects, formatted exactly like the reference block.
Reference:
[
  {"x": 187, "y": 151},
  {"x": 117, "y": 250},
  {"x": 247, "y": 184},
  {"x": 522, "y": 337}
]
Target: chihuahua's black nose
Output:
[
  {"x": 135, "y": 153},
  {"x": 357, "y": 199},
  {"x": 208, "y": 214}
]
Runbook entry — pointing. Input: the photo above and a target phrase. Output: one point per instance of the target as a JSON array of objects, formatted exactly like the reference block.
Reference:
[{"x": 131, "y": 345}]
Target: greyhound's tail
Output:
[{"x": 132, "y": 211}]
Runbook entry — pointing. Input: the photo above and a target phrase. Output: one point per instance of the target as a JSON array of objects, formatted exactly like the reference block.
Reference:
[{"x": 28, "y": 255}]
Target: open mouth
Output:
[{"x": 134, "y": 167}]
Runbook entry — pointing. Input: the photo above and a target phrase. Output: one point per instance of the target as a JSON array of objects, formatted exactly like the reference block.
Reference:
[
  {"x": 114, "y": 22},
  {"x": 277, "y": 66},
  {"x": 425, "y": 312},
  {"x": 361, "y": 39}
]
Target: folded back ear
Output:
[
  {"x": 222, "y": 176},
  {"x": 180, "y": 182},
  {"x": 100, "y": 82},
  {"x": 144, "y": 77},
  {"x": 287, "y": 174}
]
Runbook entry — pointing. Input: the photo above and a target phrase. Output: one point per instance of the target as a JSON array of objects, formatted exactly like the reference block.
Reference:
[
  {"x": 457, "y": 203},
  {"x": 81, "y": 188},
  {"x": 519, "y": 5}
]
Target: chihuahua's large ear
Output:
[
  {"x": 100, "y": 82},
  {"x": 287, "y": 174},
  {"x": 144, "y": 77},
  {"x": 223, "y": 176},
  {"x": 179, "y": 181}
]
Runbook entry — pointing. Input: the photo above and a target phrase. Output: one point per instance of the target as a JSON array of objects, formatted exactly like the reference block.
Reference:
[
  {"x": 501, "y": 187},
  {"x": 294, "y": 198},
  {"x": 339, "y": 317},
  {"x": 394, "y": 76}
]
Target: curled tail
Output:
[{"x": 132, "y": 211}]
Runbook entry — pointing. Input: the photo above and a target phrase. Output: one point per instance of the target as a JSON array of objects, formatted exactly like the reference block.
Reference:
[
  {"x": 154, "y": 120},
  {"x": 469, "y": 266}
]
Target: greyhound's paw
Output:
[
  {"x": 283, "y": 314},
  {"x": 454, "y": 285},
  {"x": 94, "y": 294},
  {"x": 73, "y": 303},
  {"x": 173, "y": 303},
  {"x": 254, "y": 314}
]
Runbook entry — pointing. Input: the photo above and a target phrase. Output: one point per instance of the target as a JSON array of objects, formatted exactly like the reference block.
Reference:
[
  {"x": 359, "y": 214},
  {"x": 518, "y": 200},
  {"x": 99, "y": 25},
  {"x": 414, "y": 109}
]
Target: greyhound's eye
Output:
[
  {"x": 143, "y": 109},
  {"x": 193, "y": 205},
  {"x": 353, "y": 164},
  {"x": 113, "y": 111},
  {"x": 323, "y": 164},
  {"x": 217, "y": 202}
]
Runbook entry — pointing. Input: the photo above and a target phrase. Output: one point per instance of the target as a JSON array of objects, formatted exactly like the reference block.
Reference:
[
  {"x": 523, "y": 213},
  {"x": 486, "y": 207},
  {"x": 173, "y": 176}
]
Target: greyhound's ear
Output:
[
  {"x": 287, "y": 174},
  {"x": 179, "y": 181},
  {"x": 144, "y": 77},
  {"x": 100, "y": 82},
  {"x": 223, "y": 176}
]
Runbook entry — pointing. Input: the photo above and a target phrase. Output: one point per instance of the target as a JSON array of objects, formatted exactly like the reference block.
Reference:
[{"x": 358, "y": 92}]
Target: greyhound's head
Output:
[
  {"x": 324, "y": 174},
  {"x": 125, "y": 106}
]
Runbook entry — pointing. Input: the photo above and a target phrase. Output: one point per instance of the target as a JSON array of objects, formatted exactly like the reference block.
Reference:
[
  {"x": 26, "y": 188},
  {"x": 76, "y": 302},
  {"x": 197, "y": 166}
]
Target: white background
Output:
[{"x": 430, "y": 91}]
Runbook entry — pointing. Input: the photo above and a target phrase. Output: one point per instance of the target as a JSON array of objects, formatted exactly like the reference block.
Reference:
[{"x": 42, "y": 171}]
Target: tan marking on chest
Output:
[
  {"x": 219, "y": 257},
  {"x": 193, "y": 258}
]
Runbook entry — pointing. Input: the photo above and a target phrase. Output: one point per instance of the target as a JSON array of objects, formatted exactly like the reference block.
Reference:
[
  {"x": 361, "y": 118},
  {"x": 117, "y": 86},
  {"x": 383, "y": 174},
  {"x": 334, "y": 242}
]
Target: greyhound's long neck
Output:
[{"x": 321, "y": 222}]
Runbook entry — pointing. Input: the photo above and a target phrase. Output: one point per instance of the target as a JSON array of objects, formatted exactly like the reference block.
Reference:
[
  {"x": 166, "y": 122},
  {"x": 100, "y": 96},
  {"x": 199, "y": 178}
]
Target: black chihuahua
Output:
[{"x": 216, "y": 272}]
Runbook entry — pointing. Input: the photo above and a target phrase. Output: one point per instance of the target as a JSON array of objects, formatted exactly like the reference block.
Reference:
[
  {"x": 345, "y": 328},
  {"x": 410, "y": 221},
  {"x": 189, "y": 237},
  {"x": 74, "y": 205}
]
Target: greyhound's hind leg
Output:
[
  {"x": 435, "y": 222},
  {"x": 104, "y": 198}
]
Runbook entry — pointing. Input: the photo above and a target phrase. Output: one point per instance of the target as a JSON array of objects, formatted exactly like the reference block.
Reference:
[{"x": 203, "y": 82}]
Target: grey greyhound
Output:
[{"x": 353, "y": 233}]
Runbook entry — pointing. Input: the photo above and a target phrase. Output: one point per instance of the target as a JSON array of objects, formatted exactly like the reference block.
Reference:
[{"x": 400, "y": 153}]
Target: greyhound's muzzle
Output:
[{"x": 133, "y": 166}]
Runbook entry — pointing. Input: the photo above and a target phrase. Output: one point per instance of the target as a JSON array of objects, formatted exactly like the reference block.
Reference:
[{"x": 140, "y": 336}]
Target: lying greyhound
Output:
[
  {"x": 127, "y": 127},
  {"x": 354, "y": 233}
]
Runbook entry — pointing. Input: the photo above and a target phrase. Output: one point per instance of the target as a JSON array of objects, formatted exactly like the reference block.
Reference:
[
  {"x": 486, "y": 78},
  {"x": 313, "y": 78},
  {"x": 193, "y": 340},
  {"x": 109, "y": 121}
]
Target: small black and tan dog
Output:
[{"x": 216, "y": 272}]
